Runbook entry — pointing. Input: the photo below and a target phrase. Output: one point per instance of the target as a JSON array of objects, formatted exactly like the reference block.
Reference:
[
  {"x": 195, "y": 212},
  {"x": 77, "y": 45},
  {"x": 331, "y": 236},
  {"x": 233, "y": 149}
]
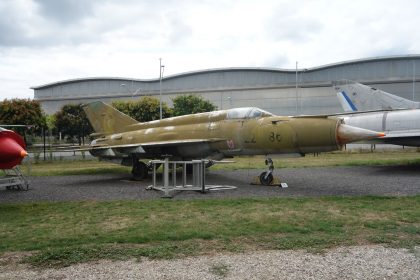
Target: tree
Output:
[
  {"x": 191, "y": 104},
  {"x": 22, "y": 112},
  {"x": 143, "y": 110},
  {"x": 71, "y": 121},
  {"x": 50, "y": 122}
]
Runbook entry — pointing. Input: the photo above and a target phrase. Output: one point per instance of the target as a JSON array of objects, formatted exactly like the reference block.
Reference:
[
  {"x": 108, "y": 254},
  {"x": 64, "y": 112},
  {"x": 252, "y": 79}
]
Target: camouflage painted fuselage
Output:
[{"x": 219, "y": 134}]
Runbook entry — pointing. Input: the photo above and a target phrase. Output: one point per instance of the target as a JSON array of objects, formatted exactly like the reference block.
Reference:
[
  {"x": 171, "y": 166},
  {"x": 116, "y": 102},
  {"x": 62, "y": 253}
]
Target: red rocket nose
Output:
[
  {"x": 11, "y": 150},
  {"x": 23, "y": 153}
]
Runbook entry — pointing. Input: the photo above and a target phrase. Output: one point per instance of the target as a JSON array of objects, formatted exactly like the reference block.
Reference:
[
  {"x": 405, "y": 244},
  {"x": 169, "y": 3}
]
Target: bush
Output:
[{"x": 191, "y": 104}]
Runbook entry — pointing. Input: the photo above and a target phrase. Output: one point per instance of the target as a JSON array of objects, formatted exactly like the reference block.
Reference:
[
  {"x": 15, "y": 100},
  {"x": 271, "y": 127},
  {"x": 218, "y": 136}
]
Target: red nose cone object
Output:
[{"x": 12, "y": 149}]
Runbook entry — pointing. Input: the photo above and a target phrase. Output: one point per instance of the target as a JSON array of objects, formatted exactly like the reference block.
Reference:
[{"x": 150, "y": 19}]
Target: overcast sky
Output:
[{"x": 44, "y": 41}]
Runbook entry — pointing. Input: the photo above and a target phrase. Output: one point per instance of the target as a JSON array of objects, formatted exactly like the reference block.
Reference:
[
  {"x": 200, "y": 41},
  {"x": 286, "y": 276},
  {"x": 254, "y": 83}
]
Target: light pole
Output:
[
  {"x": 414, "y": 77},
  {"x": 296, "y": 88},
  {"x": 161, "y": 69}
]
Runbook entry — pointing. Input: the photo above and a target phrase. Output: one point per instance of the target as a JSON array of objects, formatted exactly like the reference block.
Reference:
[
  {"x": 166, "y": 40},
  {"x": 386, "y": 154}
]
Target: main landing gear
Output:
[
  {"x": 266, "y": 178},
  {"x": 140, "y": 170}
]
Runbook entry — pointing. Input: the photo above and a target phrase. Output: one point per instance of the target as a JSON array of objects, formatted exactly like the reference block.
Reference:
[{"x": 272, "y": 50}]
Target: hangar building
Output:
[{"x": 282, "y": 92}]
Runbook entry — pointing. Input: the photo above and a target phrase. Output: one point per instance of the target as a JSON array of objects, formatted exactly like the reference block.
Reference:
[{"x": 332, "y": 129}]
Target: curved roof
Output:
[{"x": 276, "y": 71}]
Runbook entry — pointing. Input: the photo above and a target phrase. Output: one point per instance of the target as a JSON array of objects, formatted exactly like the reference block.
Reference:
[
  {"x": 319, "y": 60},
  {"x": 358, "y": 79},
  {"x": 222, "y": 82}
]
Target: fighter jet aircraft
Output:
[
  {"x": 402, "y": 126},
  {"x": 12, "y": 149},
  {"x": 214, "y": 135}
]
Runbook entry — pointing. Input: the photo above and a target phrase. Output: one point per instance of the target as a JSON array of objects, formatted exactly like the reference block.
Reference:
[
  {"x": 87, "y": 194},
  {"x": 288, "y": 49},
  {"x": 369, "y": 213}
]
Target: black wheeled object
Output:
[
  {"x": 140, "y": 170},
  {"x": 266, "y": 178}
]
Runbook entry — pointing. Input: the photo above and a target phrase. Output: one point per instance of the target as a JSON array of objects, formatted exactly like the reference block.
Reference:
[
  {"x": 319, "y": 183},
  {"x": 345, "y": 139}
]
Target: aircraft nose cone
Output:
[
  {"x": 11, "y": 151},
  {"x": 23, "y": 153},
  {"x": 348, "y": 134}
]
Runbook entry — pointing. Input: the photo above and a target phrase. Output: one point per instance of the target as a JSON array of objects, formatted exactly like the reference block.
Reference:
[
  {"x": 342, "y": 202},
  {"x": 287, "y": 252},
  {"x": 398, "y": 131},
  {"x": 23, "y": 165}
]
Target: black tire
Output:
[
  {"x": 139, "y": 171},
  {"x": 266, "y": 181}
]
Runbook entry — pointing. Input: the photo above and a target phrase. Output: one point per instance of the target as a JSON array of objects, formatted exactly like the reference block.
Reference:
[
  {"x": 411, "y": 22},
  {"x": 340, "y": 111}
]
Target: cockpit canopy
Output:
[{"x": 247, "y": 113}]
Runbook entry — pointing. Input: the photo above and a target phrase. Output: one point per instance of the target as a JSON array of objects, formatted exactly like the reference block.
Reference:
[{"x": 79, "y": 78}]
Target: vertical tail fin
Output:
[
  {"x": 346, "y": 102},
  {"x": 106, "y": 119},
  {"x": 367, "y": 98}
]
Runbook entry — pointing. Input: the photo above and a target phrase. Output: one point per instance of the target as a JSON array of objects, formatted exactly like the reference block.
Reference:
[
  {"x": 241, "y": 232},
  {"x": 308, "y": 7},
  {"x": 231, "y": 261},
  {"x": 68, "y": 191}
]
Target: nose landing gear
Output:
[{"x": 266, "y": 177}]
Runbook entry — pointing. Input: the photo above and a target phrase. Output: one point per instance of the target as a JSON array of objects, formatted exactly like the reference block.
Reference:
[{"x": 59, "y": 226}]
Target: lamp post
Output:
[
  {"x": 161, "y": 69},
  {"x": 296, "y": 88},
  {"x": 414, "y": 77}
]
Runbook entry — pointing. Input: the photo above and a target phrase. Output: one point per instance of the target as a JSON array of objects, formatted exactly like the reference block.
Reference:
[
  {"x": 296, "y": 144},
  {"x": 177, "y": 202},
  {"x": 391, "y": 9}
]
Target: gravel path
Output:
[
  {"x": 361, "y": 262},
  {"x": 319, "y": 181}
]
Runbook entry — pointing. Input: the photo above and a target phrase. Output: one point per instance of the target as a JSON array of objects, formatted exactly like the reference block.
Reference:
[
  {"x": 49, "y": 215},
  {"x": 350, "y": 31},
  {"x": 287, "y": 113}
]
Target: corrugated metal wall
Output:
[{"x": 270, "y": 89}]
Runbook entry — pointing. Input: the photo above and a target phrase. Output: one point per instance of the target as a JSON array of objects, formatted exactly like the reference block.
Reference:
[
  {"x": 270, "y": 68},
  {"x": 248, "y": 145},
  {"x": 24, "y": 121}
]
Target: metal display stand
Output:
[
  {"x": 198, "y": 177},
  {"x": 13, "y": 179}
]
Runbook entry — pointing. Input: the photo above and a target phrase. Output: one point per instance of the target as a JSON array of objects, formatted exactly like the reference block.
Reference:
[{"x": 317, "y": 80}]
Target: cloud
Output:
[
  {"x": 288, "y": 23},
  {"x": 277, "y": 60},
  {"x": 179, "y": 31},
  {"x": 44, "y": 41},
  {"x": 10, "y": 32},
  {"x": 48, "y": 23},
  {"x": 65, "y": 11},
  {"x": 15, "y": 23}
]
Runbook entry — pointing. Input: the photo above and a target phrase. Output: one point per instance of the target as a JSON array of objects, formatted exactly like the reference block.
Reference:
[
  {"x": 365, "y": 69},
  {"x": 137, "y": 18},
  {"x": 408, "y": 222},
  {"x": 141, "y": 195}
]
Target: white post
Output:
[
  {"x": 414, "y": 77},
  {"x": 160, "y": 87},
  {"x": 297, "y": 88},
  {"x": 166, "y": 173}
]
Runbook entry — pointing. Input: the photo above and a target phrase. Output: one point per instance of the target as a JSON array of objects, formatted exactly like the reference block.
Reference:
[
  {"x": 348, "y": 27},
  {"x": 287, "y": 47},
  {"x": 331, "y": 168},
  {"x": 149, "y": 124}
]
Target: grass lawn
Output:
[
  {"x": 257, "y": 162},
  {"x": 79, "y": 167},
  {"x": 64, "y": 233}
]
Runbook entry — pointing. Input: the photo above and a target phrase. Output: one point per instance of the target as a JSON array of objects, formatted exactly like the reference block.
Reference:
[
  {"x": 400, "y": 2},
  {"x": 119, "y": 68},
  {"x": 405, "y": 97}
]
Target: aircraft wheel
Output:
[
  {"x": 139, "y": 171},
  {"x": 266, "y": 180}
]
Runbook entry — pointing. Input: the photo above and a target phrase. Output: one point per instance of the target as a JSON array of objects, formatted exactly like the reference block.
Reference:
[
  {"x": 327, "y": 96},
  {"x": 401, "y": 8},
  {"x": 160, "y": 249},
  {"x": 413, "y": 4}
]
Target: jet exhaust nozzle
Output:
[{"x": 348, "y": 134}]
